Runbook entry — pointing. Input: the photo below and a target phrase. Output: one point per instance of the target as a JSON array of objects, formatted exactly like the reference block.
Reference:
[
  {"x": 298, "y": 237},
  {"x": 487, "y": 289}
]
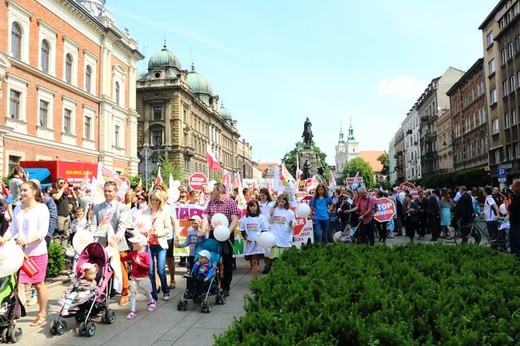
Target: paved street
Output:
[{"x": 165, "y": 326}]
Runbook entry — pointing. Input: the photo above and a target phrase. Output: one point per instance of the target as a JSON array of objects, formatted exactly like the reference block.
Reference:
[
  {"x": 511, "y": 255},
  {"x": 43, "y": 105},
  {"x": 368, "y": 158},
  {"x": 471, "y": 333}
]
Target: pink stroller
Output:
[{"x": 96, "y": 302}]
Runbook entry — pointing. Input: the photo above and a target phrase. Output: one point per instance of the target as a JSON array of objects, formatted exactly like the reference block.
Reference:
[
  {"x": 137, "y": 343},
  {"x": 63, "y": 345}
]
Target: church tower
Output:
[{"x": 346, "y": 150}]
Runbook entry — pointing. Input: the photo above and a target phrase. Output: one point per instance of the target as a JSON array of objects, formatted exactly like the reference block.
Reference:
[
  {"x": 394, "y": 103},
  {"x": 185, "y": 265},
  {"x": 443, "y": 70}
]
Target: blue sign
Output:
[{"x": 501, "y": 173}]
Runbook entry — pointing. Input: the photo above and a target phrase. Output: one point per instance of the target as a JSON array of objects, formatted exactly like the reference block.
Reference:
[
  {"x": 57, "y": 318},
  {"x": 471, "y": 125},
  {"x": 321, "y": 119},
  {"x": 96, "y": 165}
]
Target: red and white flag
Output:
[
  {"x": 226, "y": 179},
  {"x": 213, "y": 164},
  {"x": 299, "y": 173},
  {"x": 158, "y": 179}
]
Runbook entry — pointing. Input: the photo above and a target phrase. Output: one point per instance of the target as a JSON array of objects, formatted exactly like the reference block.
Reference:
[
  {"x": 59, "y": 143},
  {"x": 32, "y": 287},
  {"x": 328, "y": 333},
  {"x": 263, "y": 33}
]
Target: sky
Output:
[{"x": 275, "y": 62}]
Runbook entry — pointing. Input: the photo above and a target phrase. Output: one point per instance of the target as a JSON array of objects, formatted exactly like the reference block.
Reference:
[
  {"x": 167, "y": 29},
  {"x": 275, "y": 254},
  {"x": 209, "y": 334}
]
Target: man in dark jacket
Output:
[
  {"x": 464, "y": 210},
  {"x": 432, "y": 213}
]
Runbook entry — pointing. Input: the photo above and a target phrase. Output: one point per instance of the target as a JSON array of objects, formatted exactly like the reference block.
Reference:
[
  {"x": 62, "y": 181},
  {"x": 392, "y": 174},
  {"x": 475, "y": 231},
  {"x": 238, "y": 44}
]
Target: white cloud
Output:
[{"x": 402, "y": 86}]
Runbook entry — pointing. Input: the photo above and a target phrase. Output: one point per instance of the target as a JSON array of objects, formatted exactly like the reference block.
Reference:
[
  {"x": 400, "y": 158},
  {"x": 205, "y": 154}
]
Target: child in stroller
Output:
[
  {"x": 347, "y": 236},
  {"x": 204, "y": 278},
  {"x": 93, "y": 303},
  {"x": 81, "y": 289}
]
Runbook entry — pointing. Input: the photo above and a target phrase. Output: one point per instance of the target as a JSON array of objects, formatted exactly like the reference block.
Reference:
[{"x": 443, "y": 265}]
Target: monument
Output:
[{"x": 308, "y": 156}]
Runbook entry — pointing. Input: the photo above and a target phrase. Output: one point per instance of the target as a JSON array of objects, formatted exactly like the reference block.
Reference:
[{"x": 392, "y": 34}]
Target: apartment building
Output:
[
  {"x": 469, "y": 135},
  {"x": 501, "y": 62}
]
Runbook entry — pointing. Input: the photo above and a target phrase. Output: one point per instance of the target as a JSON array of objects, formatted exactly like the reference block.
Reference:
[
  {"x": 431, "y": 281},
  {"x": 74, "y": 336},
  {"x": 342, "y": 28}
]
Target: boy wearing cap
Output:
[
  {"x": 139, "y": 280},
  {"x": 201, "y": 273},
  {"x": 192, "y": 239}
]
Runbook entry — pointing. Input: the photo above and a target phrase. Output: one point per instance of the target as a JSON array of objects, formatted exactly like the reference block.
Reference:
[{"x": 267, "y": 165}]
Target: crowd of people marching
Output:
[{"x": 33, "y": 218}]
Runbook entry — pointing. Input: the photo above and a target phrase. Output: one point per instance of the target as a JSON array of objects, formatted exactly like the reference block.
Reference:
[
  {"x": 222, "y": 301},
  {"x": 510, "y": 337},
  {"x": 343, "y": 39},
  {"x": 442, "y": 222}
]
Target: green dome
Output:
[
  {"x": 224, "y": 113},
  {"x": 197, "y": 83},
  {"x": 164, "y": 58}
]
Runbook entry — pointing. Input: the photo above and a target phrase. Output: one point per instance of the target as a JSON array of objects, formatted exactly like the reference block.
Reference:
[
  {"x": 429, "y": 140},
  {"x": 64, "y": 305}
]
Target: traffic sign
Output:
[
  {"x": 196, "y": 180},
  {"x": 145, "y": 167},
  {"x": 385, "y": 210},
  {"x": 146, "y": 152},
  {"x": 501, "y": 173}
]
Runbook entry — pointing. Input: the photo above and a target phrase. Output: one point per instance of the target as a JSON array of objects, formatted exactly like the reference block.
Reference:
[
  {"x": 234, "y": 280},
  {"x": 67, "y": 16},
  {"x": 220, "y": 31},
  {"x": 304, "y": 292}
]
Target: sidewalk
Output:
[{"x": 165, "y": 326}]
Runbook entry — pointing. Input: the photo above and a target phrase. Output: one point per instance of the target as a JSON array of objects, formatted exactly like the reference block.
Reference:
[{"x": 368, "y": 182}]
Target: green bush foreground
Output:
[{"x": 403, "y": 295}]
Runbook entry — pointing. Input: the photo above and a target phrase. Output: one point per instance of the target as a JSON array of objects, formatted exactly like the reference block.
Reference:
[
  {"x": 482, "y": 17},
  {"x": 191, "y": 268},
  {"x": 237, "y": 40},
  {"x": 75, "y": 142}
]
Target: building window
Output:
[
  {"x": 67, "y": 121},
  {"x": 88, "y": 78},
  {"x": 13, "y": 161},
  {"x": 157, "y": 113},
  {"x": 512, "y": 83},
  {"x": 68, "y": 68},
  {"x": 493, "y": 96},
  {"x": 16, "y": 40},
  {"x": 495, "y": 126},
  {"x": 14, "y": 104},
  {"x": 45, "y": 56},
  {"x": 491, "y": 65},
  {"x": 503, "y": 57},
  {"x": 157, "y": 138},
  {"x": 507, "y": 121},
  {"x": 509, "y": 151},
  {"x": 510, "y": 50},
  {"x": 87, "y": 128},
  {"x": 489, "y": 38},
  {"x": 117, "y": 131},
  {"x": 516, "y": 9},
  {"x": 117, "y": 93},
  {"x": 514, "y": 119},
  {"x": 43, "y": 113},
  {"x": 505, "y": 88}
]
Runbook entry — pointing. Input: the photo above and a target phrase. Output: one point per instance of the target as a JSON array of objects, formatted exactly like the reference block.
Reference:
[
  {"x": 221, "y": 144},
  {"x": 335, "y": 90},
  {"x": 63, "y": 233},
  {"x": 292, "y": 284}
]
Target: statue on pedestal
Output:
[
  {"x": 307, "y": 133},
  {"x": 307, "y": 169}
]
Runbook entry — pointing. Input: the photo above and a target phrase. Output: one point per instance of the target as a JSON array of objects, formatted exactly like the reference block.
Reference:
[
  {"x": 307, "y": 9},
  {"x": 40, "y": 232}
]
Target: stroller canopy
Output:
[{"x": 213, "y": 246}]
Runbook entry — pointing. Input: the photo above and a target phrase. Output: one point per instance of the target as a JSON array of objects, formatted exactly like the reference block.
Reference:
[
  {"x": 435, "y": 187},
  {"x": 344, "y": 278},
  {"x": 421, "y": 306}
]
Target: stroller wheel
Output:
[
  {"x": 90, "y": 329},
  {"x": 61, "y": 327},
  {"x": 206, "y": 307},
  {"x": 82, "y": 329},
  {"x": 109, "y": 317},
  {"x": 52, "y": 329},
  {"x": 185, "y": 305},
  {"x": 15, "y": 334},
  {"x": 180, "y": 305},
  {"x": 4, "y": 335}
]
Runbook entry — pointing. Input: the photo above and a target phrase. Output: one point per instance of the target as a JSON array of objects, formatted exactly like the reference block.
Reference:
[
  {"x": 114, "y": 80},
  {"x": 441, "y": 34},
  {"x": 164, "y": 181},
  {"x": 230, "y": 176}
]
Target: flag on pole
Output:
[
  {"x": 140, "y": 184},
  {"x": 332, "y": 182},
  {"x": 299, "y": 173},
  {"x": 226, "y": 179},
  {"x": 158, "y": 179},
  {"x": 213, "y": 164}
]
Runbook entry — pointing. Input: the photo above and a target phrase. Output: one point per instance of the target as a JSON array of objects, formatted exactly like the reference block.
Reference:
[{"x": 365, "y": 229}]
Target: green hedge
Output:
[{"x": 418, "y": 294}]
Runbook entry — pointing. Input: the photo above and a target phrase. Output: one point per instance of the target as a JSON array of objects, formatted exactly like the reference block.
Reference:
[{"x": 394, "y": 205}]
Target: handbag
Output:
[{"x": 29, "y": 267}]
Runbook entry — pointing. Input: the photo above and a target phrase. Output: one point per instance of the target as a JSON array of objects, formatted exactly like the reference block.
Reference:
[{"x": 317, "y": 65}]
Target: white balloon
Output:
[
  {"x": 221, "y": 233},
  {"x": 503, "y": 209},
  {"x": 11, "y": 259},
  {"x": 81, "y": 239},
  {"x": 303, "y": 210},
  {"x": 143, "y": 223},
  {"x": 266, "y": 240},
  {"x": 219, "y": 219},
  {"x": 337, "y": 237}
]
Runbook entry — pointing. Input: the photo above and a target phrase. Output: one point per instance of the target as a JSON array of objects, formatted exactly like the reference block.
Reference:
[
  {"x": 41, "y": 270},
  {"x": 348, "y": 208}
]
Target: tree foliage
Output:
[
  {"x": 359, "y": 165},
  {"x": 383, "y": 159},
  {"x": 289, "y": 158}
]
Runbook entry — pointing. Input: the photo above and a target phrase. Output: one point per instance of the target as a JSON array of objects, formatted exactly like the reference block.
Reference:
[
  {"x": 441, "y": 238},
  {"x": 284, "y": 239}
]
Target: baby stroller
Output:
[
  {"x": 94, "y": 303},
  {"x": 10, "y": 309},
  {"x": 196, "y": 288}
]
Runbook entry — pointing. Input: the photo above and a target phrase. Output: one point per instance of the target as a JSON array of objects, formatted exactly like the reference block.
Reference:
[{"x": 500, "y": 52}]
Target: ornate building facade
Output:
[
  {"x": 180, "y": 117},
  {"x": 469, "y": 139},
  {"x": 67, "y": 85}
]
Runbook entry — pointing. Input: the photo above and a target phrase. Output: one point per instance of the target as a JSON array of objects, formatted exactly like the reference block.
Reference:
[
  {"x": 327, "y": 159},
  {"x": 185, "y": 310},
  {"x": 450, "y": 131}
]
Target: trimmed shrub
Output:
[
  {"x": 56, "y": 260},
  {"x": 417, "y": 294}
]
